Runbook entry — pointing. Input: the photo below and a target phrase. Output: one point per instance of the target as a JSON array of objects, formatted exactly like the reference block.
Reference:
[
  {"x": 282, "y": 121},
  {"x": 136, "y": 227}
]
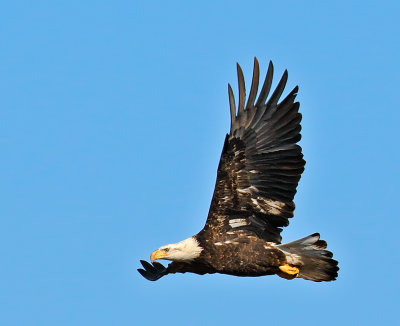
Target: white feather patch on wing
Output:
[
  {"x": 273, "y": 207},
  {"x": 231, "y": 242},
  {"x": 248, "y": 190},
  {"x": 237, "y": 222},
  {"x": 255, "y": 202}
]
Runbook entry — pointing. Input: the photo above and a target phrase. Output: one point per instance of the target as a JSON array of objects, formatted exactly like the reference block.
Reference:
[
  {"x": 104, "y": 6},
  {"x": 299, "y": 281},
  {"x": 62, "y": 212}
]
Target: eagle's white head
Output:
[{"x": 183, "y": 251}]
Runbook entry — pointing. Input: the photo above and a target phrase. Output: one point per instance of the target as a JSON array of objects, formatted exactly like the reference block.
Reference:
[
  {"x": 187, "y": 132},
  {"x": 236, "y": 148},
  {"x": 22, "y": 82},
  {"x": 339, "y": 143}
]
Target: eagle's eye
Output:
[{"x": 166, "y": 249}]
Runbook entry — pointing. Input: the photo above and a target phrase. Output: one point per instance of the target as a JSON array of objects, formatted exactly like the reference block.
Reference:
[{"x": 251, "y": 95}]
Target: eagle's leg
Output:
[{"x": 288, "y": 269}]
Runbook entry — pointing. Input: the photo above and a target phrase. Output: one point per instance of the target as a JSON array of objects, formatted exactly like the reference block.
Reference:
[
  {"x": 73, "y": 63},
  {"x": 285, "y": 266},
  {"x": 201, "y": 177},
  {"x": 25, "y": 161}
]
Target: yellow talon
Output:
[{"x": 289, "y": 269}]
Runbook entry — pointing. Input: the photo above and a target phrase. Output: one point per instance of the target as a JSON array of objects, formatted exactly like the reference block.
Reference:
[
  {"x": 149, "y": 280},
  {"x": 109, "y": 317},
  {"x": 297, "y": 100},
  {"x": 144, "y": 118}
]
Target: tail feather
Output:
[{"x": 310, "y": 257}]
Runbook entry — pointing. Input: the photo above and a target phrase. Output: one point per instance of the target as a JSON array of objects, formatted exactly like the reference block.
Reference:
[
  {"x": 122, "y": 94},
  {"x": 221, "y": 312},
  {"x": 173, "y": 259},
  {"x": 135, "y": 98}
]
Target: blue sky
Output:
[{"x": 113, "y": 116}]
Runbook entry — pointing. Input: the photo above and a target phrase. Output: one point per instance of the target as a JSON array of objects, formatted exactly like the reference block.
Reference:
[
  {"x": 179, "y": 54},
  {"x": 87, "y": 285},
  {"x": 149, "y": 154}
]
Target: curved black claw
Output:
[{"x": 152, "y": 272}]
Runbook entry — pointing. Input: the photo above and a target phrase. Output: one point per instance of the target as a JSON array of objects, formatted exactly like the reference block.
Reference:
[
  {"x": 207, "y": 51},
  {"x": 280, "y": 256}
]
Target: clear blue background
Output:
[{"x": 113, "y": 115}]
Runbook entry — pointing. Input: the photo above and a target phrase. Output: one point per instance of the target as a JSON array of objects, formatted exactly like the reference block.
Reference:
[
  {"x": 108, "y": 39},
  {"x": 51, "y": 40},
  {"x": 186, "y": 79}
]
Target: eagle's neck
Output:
[{"x": 186, "y": 250}]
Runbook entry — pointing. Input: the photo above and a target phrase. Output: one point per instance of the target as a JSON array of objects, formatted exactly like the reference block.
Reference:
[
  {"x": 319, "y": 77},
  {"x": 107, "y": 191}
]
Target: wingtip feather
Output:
[
  {"x": 254, "y": 84},
  {"x": 242, "y": 88},
  {"x": 266, "y": 85},
  {"x": 232, "y": 105}
]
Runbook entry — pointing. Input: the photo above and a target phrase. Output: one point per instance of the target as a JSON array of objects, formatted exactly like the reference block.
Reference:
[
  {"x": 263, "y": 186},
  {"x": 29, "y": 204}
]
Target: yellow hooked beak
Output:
[{"x": 158, "y": 254}]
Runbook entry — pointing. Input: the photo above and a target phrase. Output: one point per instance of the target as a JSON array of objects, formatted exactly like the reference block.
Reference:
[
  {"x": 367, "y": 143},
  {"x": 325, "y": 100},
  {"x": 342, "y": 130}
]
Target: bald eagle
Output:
[{"x": 257, "y": 176}]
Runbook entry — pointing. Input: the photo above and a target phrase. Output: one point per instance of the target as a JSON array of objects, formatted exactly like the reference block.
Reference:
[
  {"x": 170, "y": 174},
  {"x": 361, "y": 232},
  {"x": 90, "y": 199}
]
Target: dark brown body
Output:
[{"x": 240, "y": 255}]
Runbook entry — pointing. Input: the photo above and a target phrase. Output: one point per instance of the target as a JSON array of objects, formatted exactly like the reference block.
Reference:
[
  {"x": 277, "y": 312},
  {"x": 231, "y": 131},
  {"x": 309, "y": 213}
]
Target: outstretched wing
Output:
[{"x": 261, "y": 163}]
